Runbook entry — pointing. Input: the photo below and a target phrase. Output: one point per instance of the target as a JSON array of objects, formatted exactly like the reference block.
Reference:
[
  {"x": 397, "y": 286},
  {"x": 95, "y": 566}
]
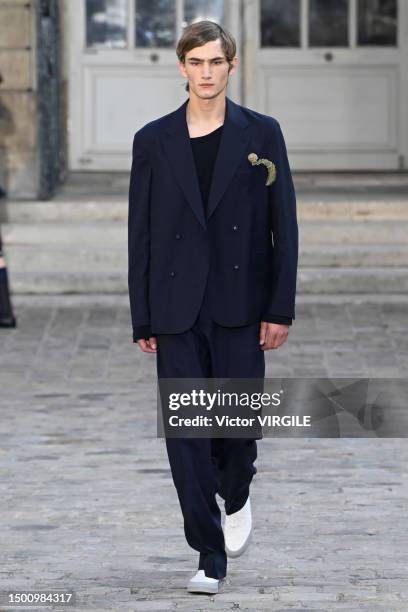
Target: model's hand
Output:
[
  {"x": 272, "y": 335},
  {"x": 148, "y": 346}
]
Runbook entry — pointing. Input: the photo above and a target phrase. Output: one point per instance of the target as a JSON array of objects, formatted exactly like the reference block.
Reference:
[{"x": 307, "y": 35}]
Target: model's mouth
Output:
[{"x": 207, "y": 85}]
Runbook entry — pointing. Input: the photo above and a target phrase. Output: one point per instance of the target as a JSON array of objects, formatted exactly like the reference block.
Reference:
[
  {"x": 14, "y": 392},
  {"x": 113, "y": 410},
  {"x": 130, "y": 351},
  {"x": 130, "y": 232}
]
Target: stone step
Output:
[
  {"x": 366, "y": 182},
  {"x": 353, "y": 280},
  {"x": 353, "y": 232},
  {"x": 91, "y": 256},
  {"x": 107, "y": 233},
  {"x": 78, "y": 234},
  {"x": 79, "y": 256},
  {"x": 104, "y": 207},
  {"x": 343, "y": 208},
  {"x": 353, "y": 255},
  {"x": 104, "y": 279}
]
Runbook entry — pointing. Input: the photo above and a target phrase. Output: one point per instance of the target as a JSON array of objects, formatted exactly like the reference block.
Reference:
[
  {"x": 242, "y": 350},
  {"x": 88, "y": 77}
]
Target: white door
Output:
[
  {"x": 334, "y": 73},
  {"x": 122, "y": 71}
]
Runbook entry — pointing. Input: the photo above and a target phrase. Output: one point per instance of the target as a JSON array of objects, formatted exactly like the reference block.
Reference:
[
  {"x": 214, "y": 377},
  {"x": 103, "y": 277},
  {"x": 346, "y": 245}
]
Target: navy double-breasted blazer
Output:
[{"x": 246, "y": 247}]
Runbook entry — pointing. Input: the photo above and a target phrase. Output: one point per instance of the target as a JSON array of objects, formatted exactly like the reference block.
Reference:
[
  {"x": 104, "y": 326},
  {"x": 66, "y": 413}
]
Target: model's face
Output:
[{"x": 206, "y": 69}]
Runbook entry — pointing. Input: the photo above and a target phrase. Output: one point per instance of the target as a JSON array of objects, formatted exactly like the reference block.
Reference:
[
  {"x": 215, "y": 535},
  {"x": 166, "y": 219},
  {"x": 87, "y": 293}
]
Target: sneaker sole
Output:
[{"x": 199, "y": 587}]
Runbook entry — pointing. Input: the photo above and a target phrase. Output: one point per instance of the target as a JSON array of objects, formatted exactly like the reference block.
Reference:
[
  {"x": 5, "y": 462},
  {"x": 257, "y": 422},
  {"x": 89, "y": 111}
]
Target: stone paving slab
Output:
[
  {"x": 87, "y": 500},
  {"x": 87, "y": 339}
]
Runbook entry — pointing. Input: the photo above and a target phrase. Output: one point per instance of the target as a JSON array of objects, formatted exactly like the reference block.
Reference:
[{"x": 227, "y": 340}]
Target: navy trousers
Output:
[{"x": 202, "y": 467}]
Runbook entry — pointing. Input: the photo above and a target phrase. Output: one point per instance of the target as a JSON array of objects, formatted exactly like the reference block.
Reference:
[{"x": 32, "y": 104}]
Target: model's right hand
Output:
[{"x": 148, "y": 346}]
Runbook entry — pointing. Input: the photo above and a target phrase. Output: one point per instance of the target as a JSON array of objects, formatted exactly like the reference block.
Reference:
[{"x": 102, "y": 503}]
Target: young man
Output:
[{"x": 213, "y": 249}]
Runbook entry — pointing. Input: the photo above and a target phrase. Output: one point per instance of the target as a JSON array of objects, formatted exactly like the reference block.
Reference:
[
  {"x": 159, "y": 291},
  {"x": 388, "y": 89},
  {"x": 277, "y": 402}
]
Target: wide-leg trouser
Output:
[{"x": 202, "y": 467}]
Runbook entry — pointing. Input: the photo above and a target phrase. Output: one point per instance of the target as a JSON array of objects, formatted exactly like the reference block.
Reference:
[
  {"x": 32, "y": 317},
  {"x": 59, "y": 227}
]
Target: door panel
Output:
[
  {"x": 123, "y": 71},
  {"x": 368, "y": 92},
  {"x": 106, "y": 23},
  {"x": 377, "y": 23},
  {"x": 328, "y": 23},
  {"x": 333, "y": 72},
  {"x": 155, "y": 24}
]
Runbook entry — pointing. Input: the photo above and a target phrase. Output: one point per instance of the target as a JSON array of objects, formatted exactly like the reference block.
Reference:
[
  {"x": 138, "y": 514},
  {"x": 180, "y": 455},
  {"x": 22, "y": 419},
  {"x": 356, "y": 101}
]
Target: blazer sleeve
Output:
[
  {"x": 139, "y": 241},
  {"x": 277, "y": 319},
  {"x": 285, "y": 235}
]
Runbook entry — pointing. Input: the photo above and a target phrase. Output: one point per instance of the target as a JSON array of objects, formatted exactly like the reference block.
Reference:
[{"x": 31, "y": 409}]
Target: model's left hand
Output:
[{"x": 272, "y": 335}]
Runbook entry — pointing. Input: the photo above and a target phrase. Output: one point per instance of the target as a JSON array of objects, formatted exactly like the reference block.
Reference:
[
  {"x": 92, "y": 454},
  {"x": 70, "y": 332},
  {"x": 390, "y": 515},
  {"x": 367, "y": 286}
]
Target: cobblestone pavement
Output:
[{"x": 87, "y": 500}]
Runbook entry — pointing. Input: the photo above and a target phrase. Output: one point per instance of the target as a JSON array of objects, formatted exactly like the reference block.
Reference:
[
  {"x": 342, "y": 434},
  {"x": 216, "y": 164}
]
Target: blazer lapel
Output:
[
  {"x": 177, "y": 147},
  {"x": 233, "y": 145}
]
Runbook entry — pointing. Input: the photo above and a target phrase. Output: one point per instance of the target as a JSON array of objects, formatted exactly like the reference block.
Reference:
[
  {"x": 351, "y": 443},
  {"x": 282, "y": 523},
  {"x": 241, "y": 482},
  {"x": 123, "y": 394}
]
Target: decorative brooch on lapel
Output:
[{"x": 253, "y": 158}]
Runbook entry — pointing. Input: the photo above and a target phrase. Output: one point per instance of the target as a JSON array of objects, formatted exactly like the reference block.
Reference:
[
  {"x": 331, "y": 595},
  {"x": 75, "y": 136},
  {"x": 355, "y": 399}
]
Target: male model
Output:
[{"x": 213, "y": 249}]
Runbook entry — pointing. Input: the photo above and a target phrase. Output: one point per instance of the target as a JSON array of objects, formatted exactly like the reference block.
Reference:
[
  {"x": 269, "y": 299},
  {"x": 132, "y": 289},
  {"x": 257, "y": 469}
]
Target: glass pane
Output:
[
  {"x": 328, "y": 23},
  {"x": 280, "y": 23},
  {"x": 155, "y": 23},
  {"x": 106, "y": 23},
  {"x": 196, "y": 10},
  {"x": 377, "y": 22}
]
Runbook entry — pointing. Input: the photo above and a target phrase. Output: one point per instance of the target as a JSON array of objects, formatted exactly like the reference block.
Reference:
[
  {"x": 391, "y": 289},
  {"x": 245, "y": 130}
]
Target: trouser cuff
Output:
[{"x": 214, "y": 564}]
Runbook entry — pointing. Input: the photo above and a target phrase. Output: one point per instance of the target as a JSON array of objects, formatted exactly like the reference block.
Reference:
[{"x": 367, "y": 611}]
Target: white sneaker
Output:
[
  {"x": 237, "y": 530},
  {"x": 200, "y": 583}
]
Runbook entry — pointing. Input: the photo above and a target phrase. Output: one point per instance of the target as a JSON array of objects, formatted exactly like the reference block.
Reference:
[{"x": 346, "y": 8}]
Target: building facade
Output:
[{"x": 333, "y": 72}]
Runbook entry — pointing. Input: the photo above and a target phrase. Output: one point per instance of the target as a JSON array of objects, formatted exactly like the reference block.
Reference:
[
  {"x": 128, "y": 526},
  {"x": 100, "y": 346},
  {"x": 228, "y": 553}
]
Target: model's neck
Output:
[{"x": 201, "y": 112}]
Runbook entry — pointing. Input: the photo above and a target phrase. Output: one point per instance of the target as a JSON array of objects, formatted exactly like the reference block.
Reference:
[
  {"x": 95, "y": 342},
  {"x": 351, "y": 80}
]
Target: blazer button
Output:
[
  {"x": 172, "y": 273},
  {"x": 235, "y": 228},
  {"x": 236, "y": 267},
  {"x": 178, "y": 236}
]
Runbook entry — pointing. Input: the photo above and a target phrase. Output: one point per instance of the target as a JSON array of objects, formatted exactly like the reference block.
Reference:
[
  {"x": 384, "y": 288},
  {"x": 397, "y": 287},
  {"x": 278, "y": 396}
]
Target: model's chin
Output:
[{"x": 207, "y": 92}]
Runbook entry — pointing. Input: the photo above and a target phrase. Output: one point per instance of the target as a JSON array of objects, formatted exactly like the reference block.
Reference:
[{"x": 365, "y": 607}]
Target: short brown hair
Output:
[{"x": 201, "y": 32}]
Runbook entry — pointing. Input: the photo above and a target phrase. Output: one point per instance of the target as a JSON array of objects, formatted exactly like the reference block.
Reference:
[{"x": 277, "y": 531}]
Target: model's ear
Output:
[
  {"x": 182, "y": 69},
  {"x": 183, "y": 72},
  {"x": 233, "y": 65}
]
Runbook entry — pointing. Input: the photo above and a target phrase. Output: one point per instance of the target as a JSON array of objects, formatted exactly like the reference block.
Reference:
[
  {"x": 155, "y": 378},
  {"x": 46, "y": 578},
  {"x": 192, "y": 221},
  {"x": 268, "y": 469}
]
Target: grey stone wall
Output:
[
  {"x": 18, "y": 129},
  {"x": 24, "y": 143}
]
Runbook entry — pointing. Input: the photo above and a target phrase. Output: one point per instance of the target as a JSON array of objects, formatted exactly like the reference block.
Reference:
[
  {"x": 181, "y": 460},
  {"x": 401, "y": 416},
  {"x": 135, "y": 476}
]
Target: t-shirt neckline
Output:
[{"x": 207, "y": 135}]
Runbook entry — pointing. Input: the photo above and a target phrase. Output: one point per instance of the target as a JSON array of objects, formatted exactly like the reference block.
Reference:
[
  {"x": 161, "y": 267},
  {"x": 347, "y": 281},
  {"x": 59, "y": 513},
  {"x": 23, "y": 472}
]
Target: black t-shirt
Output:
[{"x": 205, "y": 149}]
